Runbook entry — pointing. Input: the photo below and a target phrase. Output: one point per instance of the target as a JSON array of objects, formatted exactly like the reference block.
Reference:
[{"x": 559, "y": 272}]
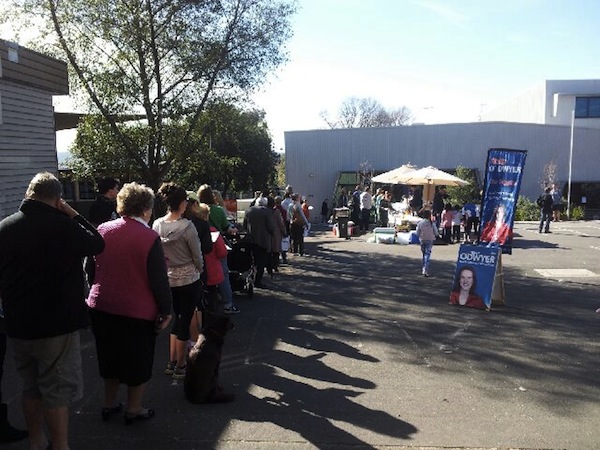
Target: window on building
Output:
[{"x": 587, "y": 107}]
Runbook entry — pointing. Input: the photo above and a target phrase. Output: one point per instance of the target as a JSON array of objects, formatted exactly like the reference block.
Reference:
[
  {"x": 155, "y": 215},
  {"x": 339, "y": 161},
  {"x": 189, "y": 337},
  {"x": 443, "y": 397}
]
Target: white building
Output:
[
  {"x": 553, "y": 103},
  {"x": 539, "y": 122}
]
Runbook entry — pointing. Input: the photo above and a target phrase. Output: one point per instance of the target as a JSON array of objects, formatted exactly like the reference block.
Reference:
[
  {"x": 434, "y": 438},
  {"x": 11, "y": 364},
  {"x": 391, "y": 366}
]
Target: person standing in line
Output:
[
  {"x": 343, "y": 199},
  {"x": 42, "y": 286},
  {"x": 297, "y": 223},
  {"x": 192, "y": 212},
  {"x": 385, "y": 204},
  {"x": 286, "y": 204},
  {"x": 324, "y": 211},
  {"x": 213, "y": 267},
  {"x": 457, "y": 219},
  {"x": 104, "y": 208},
  {"x": 184, "y": 266},
  {"x": 545, "y": 203},
  {"x": 556, "y": 202},
  {"x": 284, "y": 217},
  {"x": 279, "y": 231},
  {"x": 366, "y": 203},
  {"x": 439, "y": 198},
  {"x": 259, "y": 223},
  {"x": 8, "y": 433},
  {"x": 130, "y": 301},
  {"x": 218, "y": 218},
  {"x": 354, "y": 205},
  {"x": 427, "y": 233},
  {"x": 306, "y": 209},
  {"x": 377, "y": 202},
  {"x": 446, "y": 217}
]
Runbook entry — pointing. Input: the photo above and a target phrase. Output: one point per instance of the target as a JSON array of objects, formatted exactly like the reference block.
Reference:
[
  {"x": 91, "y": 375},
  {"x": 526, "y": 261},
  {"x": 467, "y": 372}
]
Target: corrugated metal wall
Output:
[
  {"x": 27, "y": 141},
  {"x": 314, "y": 158}
]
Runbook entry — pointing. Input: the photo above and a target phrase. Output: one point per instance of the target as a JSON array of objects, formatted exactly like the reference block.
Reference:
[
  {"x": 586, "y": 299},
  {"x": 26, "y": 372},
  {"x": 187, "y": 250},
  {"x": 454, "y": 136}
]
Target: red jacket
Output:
[
  {"x": 474, "y": 301},
  {"x": 212, "y": 260}
]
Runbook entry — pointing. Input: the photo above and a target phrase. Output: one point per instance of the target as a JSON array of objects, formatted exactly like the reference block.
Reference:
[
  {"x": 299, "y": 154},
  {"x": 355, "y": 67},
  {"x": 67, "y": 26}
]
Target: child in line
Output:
[{"x": 427, "y": 233}]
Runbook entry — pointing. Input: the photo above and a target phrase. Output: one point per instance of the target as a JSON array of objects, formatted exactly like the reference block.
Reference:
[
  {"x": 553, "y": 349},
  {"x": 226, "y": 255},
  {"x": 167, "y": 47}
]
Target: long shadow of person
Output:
[
  {"x": 312, "y": 408},
  {"x": 302, "y": 334}
]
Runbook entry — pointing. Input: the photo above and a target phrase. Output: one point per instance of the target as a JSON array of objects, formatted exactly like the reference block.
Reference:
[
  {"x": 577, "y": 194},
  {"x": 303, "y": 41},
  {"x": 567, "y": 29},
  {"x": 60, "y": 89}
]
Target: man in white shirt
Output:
[{"x": 366, "y": 203}]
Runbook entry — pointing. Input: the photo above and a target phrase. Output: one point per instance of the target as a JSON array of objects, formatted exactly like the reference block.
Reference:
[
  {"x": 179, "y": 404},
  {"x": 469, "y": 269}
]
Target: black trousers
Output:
[
  {"x": 297, "y": 233},
  {"x": 262, "y": 261},
  {"x": 2, "y": 356}
]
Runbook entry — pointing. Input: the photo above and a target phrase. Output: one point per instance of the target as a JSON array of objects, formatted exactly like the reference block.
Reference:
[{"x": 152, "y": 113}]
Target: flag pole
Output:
[{"x": 570, "y": 165}]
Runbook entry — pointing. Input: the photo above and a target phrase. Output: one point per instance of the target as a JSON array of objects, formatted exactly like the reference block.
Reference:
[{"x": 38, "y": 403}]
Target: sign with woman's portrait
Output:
[
  {"x": 503, "y": 176},
  {"x": 474, "y": 276}
]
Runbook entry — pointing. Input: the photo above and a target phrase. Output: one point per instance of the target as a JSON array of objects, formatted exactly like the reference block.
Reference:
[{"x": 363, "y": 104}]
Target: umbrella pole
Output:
[{"x": 428, "y": 192}]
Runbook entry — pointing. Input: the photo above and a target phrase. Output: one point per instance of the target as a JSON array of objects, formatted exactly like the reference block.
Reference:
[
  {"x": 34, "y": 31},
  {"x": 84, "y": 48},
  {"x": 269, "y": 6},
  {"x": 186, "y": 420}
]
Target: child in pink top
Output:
[{"x": 447, "y": 216}]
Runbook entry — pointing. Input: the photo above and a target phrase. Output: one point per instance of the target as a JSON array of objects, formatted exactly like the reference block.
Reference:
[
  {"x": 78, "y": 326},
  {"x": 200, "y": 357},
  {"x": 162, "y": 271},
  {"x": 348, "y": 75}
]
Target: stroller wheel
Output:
[{"x": 250, "y": 291}]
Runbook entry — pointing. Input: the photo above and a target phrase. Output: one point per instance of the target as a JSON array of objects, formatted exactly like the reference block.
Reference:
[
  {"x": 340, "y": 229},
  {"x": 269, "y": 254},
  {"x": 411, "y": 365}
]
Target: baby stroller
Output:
[{"x": 241, "y": 263}]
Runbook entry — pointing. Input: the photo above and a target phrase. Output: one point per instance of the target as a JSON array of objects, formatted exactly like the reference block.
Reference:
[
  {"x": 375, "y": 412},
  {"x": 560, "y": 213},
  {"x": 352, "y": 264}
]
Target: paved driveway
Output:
[{"x": 352, "y": 349}]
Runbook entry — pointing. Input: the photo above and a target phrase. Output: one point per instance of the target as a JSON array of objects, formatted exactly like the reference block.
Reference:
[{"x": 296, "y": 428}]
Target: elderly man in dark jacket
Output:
[
  {"x": 41, "y": 281},
  {"x": 260, "y": 225}
]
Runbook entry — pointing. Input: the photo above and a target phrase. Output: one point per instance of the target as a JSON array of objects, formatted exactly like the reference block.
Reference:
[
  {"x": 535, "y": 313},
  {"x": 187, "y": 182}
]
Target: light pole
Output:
[{"x": 570, "y": 165}]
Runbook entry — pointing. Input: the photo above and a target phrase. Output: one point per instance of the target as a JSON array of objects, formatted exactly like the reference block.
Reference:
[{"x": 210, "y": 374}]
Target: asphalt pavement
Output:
[{"x": 349, "y": 347}]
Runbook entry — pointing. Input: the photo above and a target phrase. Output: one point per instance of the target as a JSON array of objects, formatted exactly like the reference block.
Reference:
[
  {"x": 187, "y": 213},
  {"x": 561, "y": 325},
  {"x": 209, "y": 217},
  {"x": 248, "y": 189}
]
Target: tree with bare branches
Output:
[{"x": 357, "y": 112}]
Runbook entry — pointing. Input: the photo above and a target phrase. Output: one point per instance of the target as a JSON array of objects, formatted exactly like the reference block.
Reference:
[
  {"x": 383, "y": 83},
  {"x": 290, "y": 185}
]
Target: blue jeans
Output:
[
  {"x": 426, "y": 247},
  {"x": 545, "y": 217},
  {"x": 225, "y": 286}
]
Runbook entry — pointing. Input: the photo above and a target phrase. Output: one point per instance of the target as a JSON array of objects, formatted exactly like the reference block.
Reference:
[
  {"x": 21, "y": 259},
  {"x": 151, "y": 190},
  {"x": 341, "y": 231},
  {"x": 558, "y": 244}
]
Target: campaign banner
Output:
[
  {"x": 503, "y": 176},
  {"x": 474, "y": 276}
]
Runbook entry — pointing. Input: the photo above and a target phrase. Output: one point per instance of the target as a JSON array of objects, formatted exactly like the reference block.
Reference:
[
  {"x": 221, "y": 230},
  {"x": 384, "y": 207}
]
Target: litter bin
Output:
[{"x": 342, "y": 216}]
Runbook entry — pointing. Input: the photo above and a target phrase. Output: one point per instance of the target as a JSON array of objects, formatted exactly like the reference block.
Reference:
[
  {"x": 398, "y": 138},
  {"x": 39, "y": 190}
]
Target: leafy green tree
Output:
[
  {"x": 280, "y": 171},
  {"x": 96, "y": 151},
  {"x": 234, "y": 151},
  {"x": 163, "y": 61},
  {"x": 459, "y": 195}
]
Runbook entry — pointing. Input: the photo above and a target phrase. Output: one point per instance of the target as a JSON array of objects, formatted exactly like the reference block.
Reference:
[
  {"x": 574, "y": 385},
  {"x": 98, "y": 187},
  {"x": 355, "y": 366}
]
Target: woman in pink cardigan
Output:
[{"x": 130, "y": 301}]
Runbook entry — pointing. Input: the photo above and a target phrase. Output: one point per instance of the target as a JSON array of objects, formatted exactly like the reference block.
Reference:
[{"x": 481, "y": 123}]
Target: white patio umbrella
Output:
[
  {"x": 429, "y": 177},
  {"x": 394, "y": 176},
  {"x": 432, "y": 176}
]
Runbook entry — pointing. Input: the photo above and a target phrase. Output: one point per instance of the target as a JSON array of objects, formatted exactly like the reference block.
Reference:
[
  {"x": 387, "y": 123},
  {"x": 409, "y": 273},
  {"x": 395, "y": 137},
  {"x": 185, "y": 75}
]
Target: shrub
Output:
[
  {"x": 577, "y": 212},
  {"x": 527, "y": 209}
]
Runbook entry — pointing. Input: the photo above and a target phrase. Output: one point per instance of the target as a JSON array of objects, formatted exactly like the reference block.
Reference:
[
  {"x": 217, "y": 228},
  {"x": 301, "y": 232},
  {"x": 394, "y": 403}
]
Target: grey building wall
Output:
[
  {"x": 314, "y": 158},
  {"x": 27, "y": 141},
  {"x": 27, "y": 134}
]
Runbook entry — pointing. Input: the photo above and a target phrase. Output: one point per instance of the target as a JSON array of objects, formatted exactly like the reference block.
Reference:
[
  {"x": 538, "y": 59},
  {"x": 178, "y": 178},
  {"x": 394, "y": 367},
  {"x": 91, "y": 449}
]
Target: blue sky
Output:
[{"x": 445, "y": 60}]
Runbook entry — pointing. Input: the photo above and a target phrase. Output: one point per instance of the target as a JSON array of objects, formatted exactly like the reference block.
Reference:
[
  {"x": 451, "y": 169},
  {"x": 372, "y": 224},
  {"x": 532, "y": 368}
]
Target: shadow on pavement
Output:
[{"x": 320, "y": 356}]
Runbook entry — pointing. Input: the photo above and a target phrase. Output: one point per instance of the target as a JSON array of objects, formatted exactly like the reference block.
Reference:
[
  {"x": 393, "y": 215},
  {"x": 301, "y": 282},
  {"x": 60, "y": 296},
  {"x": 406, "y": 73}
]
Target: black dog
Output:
[{"x": 201, "y": 383}]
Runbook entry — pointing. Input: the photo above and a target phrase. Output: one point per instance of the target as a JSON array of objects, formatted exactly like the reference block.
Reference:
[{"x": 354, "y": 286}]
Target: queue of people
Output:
[{"x": 143, "y": 277}]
